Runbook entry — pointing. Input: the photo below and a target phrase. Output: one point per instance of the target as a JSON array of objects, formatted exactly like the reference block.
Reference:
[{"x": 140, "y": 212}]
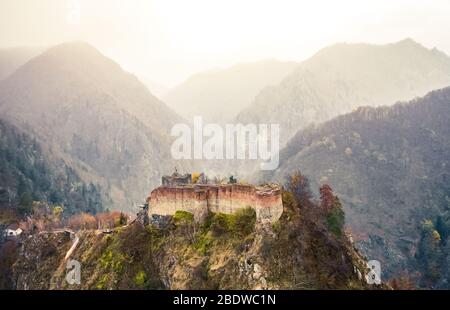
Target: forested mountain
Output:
[
  {"x": 391, "y": 168},
  {"x": 342, "y": 77},
  {"x": 218, "y": 95},
  {"x": 76, "y": 130},
  {"x": 100, "y": 119},
  {"x": 27, "y": 174}
]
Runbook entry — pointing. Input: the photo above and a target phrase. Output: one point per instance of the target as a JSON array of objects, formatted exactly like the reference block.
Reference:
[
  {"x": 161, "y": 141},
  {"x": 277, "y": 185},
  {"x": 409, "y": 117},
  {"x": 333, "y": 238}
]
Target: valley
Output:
[{"x": 84, "y": 142}]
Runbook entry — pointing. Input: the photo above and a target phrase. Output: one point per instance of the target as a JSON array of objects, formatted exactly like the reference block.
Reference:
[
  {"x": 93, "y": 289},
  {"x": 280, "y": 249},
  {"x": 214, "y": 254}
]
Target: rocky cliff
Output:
[{"x": 232, "y": 251}]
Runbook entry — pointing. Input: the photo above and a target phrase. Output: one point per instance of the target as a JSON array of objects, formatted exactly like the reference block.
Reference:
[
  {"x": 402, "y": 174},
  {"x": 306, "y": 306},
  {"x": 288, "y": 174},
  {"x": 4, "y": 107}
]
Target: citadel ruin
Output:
[{"x": 179, "y": 193}]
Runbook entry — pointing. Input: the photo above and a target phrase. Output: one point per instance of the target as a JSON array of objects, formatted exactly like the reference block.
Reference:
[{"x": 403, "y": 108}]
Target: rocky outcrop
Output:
[
  {"x": 293, "y": 253},
  {"x": 40, "y": 256}
]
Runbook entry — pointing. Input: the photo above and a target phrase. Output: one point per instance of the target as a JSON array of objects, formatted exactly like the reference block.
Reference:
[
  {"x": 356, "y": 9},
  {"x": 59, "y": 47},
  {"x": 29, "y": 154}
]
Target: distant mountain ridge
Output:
[
  {"x": 13, "y": 58},
  {"x": 101, "y": 119},
  {"x": 342, "y": 77},
  {"x": 218, "y": 95}
]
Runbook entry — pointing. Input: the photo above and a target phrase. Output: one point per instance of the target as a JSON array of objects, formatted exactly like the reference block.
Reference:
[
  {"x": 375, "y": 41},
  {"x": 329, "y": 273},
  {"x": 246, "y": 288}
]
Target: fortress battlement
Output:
[{"x": 199, "y": 199}]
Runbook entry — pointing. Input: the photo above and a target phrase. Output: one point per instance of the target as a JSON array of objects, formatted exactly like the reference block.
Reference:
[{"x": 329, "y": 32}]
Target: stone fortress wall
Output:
[{"x": 198, "y": 199}]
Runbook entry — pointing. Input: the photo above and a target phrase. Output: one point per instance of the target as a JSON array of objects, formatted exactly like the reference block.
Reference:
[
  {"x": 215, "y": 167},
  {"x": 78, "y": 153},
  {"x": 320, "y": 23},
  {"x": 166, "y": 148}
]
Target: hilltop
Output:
[
  {"x": 343, "y": 77},
  {"x": 306, "y": 248}
]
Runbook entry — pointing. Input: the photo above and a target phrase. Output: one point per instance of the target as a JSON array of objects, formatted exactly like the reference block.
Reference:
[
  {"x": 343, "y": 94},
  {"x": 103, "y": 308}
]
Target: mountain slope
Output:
[
  {"x": 12, "y": 58},
  {"x": 343, "y": 77},
  {"x": 27, "y": 174},
  {"x": 222, "y": 252},
  {"x": 218, "y": 95},
  {"x": 391, "y": 168},
  {"x": 155, "y": 88},
  {"x": 100, "y": 119}
]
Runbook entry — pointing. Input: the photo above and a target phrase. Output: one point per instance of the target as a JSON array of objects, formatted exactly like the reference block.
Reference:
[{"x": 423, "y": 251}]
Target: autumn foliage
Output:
[
  {"x": 328, "y": 209},
  {"x": 326, "y": 196},
  {"x": 104, "y": 220},
  {"x": 45, "y": 217},
  {"x": 298, "y": 186},
  {"x": 82, "y": 221}
]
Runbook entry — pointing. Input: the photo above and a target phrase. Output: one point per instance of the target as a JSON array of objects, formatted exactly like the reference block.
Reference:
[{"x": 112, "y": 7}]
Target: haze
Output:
[{"x": 165, "y": 41}]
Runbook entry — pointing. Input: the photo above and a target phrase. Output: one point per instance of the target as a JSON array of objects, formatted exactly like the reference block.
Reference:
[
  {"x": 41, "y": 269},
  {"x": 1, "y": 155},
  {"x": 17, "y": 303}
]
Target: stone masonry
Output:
[{"x": 198, "y": 199}]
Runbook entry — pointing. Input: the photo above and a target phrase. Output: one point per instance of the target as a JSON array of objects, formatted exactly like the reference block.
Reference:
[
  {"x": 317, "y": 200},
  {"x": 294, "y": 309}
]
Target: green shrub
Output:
[
  {"x": 240, "y": 223},
  {"x": 335, "y": 221},
  {"x": 114, "y": 260},
  {"x": 140, "y": 278},
  {"x": 220, "y": 223},
  {"x": 183, "y": 217},
  {"x": 106, "y": 259},
  {"x": 101, "y": 285},
  {"x": 203, "y": 243},
  {"x": 244, "y": 221}
]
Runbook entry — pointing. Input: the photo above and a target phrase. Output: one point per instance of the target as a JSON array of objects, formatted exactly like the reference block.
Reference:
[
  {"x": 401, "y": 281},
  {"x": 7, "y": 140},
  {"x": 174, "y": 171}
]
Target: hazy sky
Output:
[{"x": 168, "y": 40}]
